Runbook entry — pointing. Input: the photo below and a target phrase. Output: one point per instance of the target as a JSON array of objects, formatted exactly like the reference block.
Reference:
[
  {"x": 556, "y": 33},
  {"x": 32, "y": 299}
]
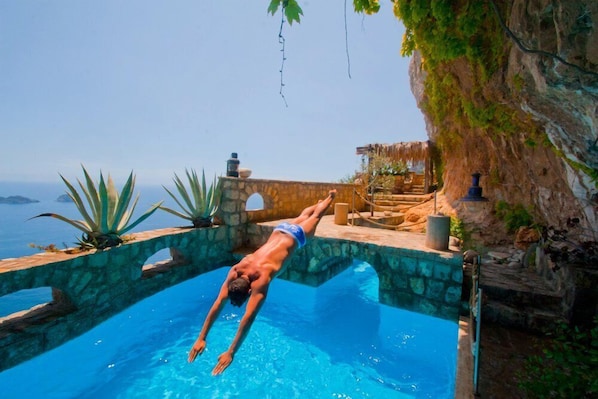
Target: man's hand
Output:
[
  {"x": 224, "y": 360},
  {"x": 196, "y": 349}
]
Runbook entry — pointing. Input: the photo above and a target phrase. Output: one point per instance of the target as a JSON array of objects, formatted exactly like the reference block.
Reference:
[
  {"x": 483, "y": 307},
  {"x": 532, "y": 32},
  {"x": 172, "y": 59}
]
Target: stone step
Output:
[
  {"x": 527, "y": 318},
  {"x": 403, "y": 197},
  {"x": 378, "y": 219},
  {"x": 515, "y": 297},
  {"x": 518, "y": 287},
  {"x": 397, "y": 204},
  {"x": 521, "y": 298}
]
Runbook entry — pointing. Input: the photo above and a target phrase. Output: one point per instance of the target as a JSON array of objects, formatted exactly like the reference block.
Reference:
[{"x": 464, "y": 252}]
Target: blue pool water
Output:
[{"x": 335, "y": 341}]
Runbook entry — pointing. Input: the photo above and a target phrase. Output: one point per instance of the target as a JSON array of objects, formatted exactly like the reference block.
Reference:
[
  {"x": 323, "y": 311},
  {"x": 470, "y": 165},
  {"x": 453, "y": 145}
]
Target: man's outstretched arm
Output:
[
  {"x": 253, "y": 307},
  {"x": 200, "y": 344}
]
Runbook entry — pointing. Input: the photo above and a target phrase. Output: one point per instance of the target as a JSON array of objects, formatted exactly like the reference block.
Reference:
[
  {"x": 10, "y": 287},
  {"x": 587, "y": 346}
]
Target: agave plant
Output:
[
  {"x": 109, "y": 214},
  {"x": 199, "y": 203}
]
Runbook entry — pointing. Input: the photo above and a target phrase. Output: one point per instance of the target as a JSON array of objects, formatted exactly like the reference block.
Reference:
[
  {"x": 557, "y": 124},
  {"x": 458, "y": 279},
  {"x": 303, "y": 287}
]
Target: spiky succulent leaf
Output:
[
  {"x": 176, "y": 213},
  {"x": 113, "y": 199},
  {"x": 197, "y": 191},
  {"x": 126, "y": 218},
  {"x": 204, "y": 195},
  {"x": 174, "y": 197},
  {"x": 93, "y": 197},
  {"x": 147, "y": 214},
  {"x": 184, "y": 194},
  {"x": 103, "y": 192},
  {"x": 75, "y": 223},
  {"x": 79, "y": 203},
  {"x": 123, "y": 200}
]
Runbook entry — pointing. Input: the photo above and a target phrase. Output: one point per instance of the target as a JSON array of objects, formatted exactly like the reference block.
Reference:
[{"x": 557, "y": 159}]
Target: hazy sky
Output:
[{"x": 155, "y": 87}]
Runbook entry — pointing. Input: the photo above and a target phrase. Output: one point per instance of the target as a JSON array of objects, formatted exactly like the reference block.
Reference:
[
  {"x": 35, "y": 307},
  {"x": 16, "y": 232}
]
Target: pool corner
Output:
[{"x": 464, "y": 379}]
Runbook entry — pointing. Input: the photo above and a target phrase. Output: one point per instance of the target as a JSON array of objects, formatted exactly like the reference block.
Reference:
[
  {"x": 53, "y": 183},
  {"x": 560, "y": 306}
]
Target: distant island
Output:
[
  {"x": 64, "y": 198},
  {"x": 17, "y": 200}
]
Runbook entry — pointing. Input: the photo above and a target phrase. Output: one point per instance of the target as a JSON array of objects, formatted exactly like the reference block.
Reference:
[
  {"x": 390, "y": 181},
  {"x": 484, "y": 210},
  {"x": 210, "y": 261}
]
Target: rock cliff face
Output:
[{"x": 549, "y": 81}]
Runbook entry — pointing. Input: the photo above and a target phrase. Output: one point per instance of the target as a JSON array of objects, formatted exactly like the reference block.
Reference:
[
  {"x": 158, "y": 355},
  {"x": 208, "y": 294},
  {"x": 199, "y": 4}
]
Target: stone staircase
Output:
[
  {"x": 399, "y": 202},
  {"x": 417, "y": 189},
  {"x": 388, "y": 211}
]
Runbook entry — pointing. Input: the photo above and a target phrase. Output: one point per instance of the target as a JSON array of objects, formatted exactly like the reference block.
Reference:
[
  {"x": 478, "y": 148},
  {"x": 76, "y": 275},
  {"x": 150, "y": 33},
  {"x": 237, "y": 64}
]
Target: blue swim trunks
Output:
[{"x": 294, "y": 230}]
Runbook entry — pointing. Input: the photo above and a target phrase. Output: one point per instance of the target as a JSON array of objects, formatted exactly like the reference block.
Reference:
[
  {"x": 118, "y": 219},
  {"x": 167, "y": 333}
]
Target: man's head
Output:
[{"x": 238, "y": 291}]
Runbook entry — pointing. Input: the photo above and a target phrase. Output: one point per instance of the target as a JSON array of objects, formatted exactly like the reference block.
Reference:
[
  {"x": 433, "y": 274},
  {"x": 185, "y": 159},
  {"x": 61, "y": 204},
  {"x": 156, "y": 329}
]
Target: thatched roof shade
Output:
[{"x": 412, "y": 151}]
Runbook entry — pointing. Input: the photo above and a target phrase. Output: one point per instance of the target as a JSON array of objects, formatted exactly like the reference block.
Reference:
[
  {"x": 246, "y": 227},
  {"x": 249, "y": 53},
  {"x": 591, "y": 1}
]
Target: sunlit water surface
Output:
[{"x": 335, "y": 341}]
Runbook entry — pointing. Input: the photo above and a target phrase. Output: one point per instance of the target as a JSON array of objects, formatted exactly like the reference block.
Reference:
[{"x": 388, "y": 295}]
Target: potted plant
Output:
[
  {"x": 199, "y": 202},
  {"x": 106, "y": 212}
]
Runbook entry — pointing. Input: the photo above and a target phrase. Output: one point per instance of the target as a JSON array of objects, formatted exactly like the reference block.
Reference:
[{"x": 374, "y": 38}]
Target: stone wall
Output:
[{"x": 282, "y": 200}]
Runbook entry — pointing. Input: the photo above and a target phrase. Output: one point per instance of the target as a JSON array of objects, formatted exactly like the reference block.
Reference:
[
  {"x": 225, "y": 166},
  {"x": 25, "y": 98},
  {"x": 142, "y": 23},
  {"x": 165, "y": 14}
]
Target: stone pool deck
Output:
[{"x": 388, "y": 238}]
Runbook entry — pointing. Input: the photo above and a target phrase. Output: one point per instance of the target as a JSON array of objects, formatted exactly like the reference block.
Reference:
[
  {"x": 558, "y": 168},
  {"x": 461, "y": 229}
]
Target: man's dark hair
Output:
[{"x": 238, "y": 291}]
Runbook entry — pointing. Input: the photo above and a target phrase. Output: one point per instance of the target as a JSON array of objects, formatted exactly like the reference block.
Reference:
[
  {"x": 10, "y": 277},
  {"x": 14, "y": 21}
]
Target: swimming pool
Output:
[{"x": 335, "y": 341}]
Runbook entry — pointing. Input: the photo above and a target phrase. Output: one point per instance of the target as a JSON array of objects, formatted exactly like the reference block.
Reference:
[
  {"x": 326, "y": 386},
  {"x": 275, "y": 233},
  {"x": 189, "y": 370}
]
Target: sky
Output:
[{"x": 157, "y": 87}]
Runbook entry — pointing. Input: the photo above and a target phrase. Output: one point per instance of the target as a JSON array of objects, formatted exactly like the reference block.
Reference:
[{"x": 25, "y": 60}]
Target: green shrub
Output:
[
  {"x": 458, "y": 229},
  {"x": 567, "y": 368},
  {"x": 514, "y": 216}
]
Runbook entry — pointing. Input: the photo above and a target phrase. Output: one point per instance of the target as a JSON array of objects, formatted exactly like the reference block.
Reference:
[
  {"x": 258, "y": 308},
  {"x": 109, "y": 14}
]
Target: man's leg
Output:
[
  {"x": 311, "y": 216},
  {"x": 305, "y": 214}
]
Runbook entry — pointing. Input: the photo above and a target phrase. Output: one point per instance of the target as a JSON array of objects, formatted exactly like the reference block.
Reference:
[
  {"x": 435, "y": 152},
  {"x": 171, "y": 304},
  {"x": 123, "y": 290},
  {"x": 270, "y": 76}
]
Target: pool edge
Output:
[{"x": 464, "y": 379}]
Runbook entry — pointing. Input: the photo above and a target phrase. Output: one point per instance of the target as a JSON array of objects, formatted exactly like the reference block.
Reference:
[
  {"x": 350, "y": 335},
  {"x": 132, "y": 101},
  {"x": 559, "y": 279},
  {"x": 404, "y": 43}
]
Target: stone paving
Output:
[{"x": 390, "y": 238}]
